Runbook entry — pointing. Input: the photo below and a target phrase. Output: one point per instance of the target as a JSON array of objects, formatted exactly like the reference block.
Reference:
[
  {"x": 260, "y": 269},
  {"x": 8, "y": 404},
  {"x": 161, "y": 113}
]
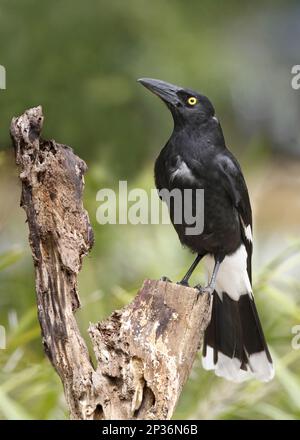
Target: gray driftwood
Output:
[{"x": 146, "y": 350}]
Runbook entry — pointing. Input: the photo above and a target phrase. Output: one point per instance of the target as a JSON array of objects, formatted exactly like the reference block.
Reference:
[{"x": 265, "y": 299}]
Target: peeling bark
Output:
[{"x": 146, "y": 350}]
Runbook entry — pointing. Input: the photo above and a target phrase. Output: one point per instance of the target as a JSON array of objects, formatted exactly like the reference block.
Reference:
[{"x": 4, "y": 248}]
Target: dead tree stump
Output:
[{"x": 146, "y": 350}]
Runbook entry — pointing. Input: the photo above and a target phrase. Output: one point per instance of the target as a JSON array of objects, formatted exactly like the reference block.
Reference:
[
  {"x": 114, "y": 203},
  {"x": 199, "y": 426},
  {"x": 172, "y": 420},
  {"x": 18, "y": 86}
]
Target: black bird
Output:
[{"x": 196, "y": 157}]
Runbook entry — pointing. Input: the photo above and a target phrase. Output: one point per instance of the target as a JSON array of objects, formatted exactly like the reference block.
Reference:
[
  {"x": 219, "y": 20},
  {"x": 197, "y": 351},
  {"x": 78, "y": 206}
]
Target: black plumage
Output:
[{"x": 196, "y": 157}]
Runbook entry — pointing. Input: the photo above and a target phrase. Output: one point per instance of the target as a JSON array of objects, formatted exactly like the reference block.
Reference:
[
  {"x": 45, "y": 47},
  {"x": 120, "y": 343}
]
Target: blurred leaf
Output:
[
  {"x": 273, "y": 412},
  {"x": 289, "y": 381},
  {"x": 11, "y": 409},
  {"x": 10, "y": 257}
]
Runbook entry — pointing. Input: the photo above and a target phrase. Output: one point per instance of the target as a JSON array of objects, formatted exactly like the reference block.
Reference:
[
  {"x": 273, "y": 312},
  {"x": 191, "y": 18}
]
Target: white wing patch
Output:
[
  {"x": 248, "y": 233},
  {"x": 232, "y": 277},
  {"x": 182, "y": 171},
  {"x": 247, "y": 230}
]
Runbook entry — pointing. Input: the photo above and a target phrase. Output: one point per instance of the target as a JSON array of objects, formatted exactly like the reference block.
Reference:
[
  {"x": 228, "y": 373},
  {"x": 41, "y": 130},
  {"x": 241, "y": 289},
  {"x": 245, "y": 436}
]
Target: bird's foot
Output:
[
  {"x": 183, "y": 283},
  {"x": 206, "y": 289},
  {"x": 166, "y": 279}
]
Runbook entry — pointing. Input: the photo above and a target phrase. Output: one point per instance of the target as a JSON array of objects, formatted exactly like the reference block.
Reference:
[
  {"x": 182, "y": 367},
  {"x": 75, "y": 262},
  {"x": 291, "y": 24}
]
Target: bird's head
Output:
[{"x": 186, "y": 106}]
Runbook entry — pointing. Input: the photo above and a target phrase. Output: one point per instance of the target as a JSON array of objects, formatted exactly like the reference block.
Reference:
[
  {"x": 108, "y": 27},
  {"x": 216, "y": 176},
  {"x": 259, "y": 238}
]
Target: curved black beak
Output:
[{"x": 166, "y": 91}]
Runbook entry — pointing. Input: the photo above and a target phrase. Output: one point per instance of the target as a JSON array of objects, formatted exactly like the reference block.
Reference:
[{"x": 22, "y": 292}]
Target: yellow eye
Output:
[{"x": 192, "y": 100}]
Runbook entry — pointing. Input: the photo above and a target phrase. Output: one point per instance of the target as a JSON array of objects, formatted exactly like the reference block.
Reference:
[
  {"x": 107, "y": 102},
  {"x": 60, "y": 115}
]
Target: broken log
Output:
[{"x": 145, "y": 351}]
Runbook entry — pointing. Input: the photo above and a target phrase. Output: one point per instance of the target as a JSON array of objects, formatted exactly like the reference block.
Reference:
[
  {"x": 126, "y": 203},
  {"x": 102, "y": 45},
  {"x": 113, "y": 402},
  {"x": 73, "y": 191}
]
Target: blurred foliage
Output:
[{"x": 80, "y": 61}]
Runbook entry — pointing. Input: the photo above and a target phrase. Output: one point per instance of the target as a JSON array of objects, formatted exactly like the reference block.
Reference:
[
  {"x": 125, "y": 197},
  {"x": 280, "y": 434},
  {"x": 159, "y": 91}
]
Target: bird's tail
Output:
[{"x": 234, "y": 343}]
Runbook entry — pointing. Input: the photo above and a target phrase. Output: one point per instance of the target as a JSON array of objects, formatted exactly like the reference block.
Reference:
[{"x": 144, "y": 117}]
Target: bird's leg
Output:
[
  {"x": 212, "y": 284},
  {"x": 166, "y": 279},
  {"x": 187, "y": 276}
]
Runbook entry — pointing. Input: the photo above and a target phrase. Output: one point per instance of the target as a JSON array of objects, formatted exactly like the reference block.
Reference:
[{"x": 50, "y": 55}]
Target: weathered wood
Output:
[
  {"x": 144, "y": 351},
  {"x": 147, "y": 349}
]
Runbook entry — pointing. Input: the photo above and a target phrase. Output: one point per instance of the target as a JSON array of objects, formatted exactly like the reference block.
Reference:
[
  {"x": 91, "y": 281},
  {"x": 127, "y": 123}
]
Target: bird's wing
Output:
[
  {"x": 160, "y": 172},
  {"x": 236, "y": 188}
]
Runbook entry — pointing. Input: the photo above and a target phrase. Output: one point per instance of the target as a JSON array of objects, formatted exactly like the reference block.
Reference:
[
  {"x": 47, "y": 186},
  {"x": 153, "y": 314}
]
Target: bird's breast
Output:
[{"x": 179, "y": 171}]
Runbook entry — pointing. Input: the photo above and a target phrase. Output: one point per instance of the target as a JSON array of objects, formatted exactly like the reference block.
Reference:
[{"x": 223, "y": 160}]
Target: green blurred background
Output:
[{"x": 80, "y": 61}]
